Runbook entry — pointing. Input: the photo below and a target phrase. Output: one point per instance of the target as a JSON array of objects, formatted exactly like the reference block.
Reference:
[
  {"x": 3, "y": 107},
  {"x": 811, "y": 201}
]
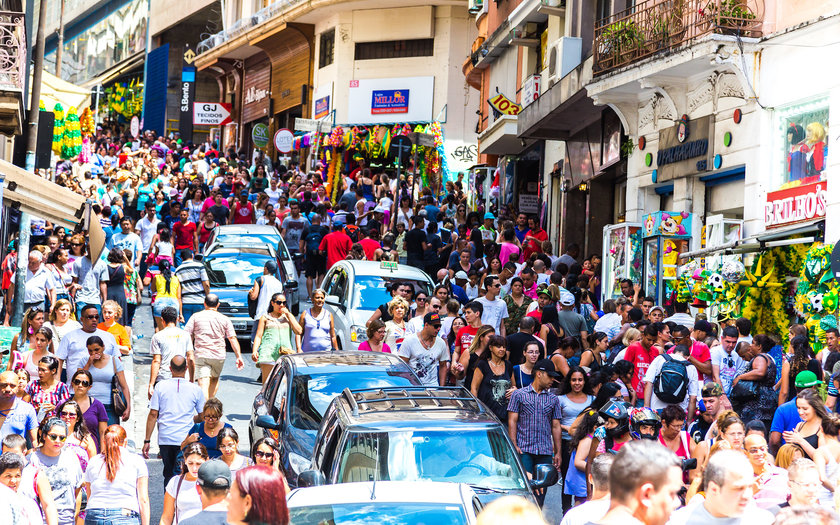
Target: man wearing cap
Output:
[
  {"x": 534, "y": 420},
  {"x": 786, "y": 416},
  {"x": 426, "y": 353},
  {"x": 242, "y": 211},
  {"x": 458, "y": 287},
  {"x": 710, "y": 406},
  {"x": 488, "y": 233},
  {"x": 572, "y": 323},
  {"x": 212, "y": 483}
]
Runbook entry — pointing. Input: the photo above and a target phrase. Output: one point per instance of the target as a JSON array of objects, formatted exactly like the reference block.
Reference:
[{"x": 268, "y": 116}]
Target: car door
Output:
[
  {"x": 342, "y": 323},
  {"x": 277, "y": 400}
]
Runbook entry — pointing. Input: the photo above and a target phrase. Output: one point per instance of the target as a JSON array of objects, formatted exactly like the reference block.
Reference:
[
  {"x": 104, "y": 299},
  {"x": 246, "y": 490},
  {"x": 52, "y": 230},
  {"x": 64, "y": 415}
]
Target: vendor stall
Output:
[
  {"x": 622, "y": 251},
  {"x": 666, "y": 235}
]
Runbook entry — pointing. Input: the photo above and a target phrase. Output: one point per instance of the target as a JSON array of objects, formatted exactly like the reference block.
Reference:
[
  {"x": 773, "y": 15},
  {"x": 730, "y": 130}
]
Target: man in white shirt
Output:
[
  {"x": 39, "y": 284},
  {"x": 426, "y": 353},
  {"x": 72, "y": 352},
  {"x": 495, "y": 309},
  {"x": 126, "y": 239},
  {"x": 415, "y": 324},
  {"x": 676, "y": 362},
  {"x": 146, "y": 228},
  {"x": 744, "y": 327},
  {"x": 681, "y": 315},
  {"x": 165, "y": 345},
  {"x": 598, "y": 504},
  {"x": 726, "y": 363},
  {"x": 729, "y": 495},
  {"x": 174, "y": 403}
]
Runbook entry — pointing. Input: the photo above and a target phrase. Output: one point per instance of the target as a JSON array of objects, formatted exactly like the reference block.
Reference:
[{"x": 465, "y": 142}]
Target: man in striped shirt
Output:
[
  {"x": 194, "y": 284},
  {"x": 534, "y": 421}
]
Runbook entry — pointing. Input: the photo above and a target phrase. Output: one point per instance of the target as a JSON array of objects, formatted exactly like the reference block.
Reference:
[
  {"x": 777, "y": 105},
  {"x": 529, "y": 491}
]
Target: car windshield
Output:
[
  {"x": 272, "y": 239},
  {"x": 482, "y": 457},
  {"x": 371, "y": 291},
  {"x": 382, "y": 513},
  {"x": 235, "y": 269},
  {"x": 311, "y": 394}
]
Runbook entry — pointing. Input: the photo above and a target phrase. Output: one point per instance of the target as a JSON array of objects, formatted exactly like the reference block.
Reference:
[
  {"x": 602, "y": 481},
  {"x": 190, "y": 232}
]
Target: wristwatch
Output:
[{"x": 146, "y": 441}]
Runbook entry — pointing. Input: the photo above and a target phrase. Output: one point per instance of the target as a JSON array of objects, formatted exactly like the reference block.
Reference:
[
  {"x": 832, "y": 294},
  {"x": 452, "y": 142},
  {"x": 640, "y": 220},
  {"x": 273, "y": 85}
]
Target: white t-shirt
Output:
[
  {"x": 168, "y": 343},
  {"x": 187, "y": 501},
  {"x": 177, "y": 401},
  {"x": 414, "y": 325},
  {"x": 73, "y": 349},
  {"x": 693, "y": 383},
  {"x": 686, "y": 320},
  {"x": 146, "y": 229},
  {"x": 424, "y": 362},
  {"x": 102, "y": 377},
  {"x": 120, "y": 493},
  {"x": 591, "y": 511},
  {"x": 698, "y": 515},
  {"x": 729, "y": 364},
  {"x": 65, "y": 475},
  {"x": 494, "y": 313},
  {"x": 269, "y": 286}
]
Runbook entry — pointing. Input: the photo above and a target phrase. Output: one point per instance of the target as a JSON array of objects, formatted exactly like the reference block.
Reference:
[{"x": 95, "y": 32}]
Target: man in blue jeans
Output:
[
  {"x": 91, "y": 277},
  {"x": 195, "y": 284},
  {"x": 534, "y": 422}
]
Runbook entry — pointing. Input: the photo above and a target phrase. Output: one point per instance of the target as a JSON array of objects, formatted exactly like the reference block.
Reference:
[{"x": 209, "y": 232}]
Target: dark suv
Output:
[
  {"x": 419, "y": 433},
  {"x": 299, "y": 388}
]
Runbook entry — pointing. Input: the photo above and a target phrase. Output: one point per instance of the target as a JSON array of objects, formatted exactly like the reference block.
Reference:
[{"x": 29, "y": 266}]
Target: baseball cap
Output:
[
  {"x": 566, "y": 298},
  {"x": 703, "y": 326},
  {"x": 657, "y": 307},
  {"x": 490, "y": 216},
  {"x": 546, "y": 366},
  {"x": 711, "y": 390},
  {"x": 461, "y": 274},
  {"x": 431, "y": 318},
  {"x": 214, "y": 474},
  {"x": 546, "y": 292},
  {"x": 806, "y": 379}
]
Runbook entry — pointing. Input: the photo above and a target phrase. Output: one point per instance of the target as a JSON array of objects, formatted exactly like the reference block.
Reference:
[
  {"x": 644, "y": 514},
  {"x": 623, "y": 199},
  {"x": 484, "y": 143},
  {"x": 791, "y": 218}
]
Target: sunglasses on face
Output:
[
  {"x": 421, "y": 299},
  {"x": 80, "y": 382},
  {"x": 56, "y": 437},
  {"x": 436, "y": 326},
  {"x": 92, "y": 316},
  {"x": 279, "y": 302},
  {"x": 70, "y": 415},
  {"x": 264, "y": 455}
]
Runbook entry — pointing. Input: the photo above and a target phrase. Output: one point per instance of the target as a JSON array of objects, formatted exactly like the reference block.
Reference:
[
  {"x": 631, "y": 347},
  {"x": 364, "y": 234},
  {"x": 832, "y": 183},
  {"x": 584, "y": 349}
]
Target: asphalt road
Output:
[{"x": 237, "y": 391}]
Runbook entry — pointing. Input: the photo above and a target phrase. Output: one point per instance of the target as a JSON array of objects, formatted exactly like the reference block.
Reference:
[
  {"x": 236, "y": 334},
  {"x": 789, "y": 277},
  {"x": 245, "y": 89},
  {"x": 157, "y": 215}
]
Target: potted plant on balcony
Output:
[
  {"x": 731, "y": 17},
  {"x": 621, "y": 42}
]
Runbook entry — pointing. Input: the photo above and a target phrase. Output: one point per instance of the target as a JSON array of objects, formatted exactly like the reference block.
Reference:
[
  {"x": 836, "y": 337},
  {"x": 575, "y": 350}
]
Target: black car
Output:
[
  {"x": 299, "y": 389},
  {"x": 419, "y": 433}
]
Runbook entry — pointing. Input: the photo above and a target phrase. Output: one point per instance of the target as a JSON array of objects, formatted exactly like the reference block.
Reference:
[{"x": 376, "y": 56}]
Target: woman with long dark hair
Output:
[
  {"x": 574, "y": 398},
  {"x": 103, "y": 368},
  {"x": 762, "y": 370},
  {"x": 551, "y": 331},
  {"x": 227, "y": 441},
  {"x": 809, "y": 433},
  {"x": 274, "y": 335},
  {"x": 93, "y": 411},
  {"x": 802, "y": 359},
  {"x": 257, "y": 496},
  {"x": 47, "y": 392},
  {"x": 181, "y": 500},
  {"x": 80, "y": 438},
  {"x": 492, "y": 380},
  {"x": 167, "y": 289}
]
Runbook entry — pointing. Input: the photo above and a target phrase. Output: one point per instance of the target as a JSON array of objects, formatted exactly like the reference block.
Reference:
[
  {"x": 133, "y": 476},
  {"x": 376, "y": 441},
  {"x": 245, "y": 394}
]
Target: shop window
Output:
[
  {"x": 802, "y": 142},
  {"x": 423, "y": 47},
  {"x": 326, "y": 49}
]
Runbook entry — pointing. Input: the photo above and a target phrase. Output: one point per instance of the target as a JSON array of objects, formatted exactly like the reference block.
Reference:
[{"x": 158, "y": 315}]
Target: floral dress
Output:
[
  {"x": 130, "y": 287},
  {"x": 515, "y": 312}
]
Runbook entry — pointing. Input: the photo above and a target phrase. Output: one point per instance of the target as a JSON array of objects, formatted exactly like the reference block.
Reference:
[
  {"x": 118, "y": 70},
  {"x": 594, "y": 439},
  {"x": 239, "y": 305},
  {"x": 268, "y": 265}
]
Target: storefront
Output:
[{"x": 256, "y": 99}]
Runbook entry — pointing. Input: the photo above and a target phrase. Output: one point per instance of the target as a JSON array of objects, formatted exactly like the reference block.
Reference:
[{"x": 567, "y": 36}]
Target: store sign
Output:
[
  {"x": 531, "y": 89},
  {"x": 504, "y": 105},
  {"x": 322, "y": 107},
  {"x": 389, "y": 101},
  {"x": 188, "y": 72},
  {"x": 797, "y": 204},
  {"x": 529, "y": 203},
  {"x": 685, "y": 149},
  {"x": 211, "y": 113},
  {"x": 323, "y": 97},
  {"x": 256, "y": 92},
  {"x": 283, "y": 140},
  {"x": 259, "y": 134}
]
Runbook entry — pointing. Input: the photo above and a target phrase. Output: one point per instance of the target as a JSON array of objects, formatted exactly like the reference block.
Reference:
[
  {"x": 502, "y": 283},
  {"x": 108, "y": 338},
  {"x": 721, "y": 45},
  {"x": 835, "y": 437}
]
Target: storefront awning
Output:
[
  {"x": 55, "y": 90},
  {"x": 500, "y": 138},
  {"x": 40, "y": 197},
  {"x": 766, "y": 239}
]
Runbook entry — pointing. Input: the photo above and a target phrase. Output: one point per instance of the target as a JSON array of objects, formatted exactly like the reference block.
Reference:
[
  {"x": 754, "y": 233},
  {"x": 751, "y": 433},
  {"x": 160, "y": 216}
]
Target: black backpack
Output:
[{"x": 671, "y": 384}]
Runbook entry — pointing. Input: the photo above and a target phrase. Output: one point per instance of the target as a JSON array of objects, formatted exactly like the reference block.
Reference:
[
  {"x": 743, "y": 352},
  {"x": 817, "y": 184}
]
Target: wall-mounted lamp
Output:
[{"x": 583, "y": 186}]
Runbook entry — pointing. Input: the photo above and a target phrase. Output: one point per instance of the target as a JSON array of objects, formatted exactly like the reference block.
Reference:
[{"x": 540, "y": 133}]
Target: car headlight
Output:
[
  {"x": 358, "y": 333},
  {"x": 298, "y": 462}
]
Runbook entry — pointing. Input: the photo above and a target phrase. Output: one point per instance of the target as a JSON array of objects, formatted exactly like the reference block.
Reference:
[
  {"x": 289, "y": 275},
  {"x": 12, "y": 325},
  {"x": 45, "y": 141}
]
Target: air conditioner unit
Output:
[{"x": 564, "y": 54}]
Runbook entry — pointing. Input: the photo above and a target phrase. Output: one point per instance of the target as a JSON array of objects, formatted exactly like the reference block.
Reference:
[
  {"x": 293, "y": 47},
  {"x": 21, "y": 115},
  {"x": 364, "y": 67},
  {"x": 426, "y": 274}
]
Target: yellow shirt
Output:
[{"x": 160, "y": 286}]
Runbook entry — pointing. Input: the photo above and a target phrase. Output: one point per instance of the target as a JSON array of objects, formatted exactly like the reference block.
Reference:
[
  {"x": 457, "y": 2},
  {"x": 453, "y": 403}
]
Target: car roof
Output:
[
  {"x": 338, "y": 361},
  {"x": 385, "y": 492},
  {"x": 404, "y": 271},
  {"x": 236, "y": 249},
  {"x": 253, "y": 229},
  {"x": 420, "y": 406}
]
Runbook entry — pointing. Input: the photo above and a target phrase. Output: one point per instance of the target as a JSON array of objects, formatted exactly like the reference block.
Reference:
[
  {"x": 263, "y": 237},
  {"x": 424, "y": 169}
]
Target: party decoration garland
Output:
[{"x": 58, "y": 129}]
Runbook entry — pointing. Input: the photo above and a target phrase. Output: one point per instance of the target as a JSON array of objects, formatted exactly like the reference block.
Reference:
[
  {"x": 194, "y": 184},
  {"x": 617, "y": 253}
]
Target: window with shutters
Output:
[{"x": 423, "y": 47}]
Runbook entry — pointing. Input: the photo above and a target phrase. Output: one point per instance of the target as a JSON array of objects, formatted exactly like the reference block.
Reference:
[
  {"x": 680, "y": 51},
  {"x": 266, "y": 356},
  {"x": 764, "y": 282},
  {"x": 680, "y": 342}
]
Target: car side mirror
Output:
[
  {"x": 266, "y": 421},
  {"x": 546, "y": 476},
  {"x": 311, "y": 478},
  {"x": 198, "y": 257},
  {"x": 291, "y": 285},
  {"x": 333, "y": 300}
]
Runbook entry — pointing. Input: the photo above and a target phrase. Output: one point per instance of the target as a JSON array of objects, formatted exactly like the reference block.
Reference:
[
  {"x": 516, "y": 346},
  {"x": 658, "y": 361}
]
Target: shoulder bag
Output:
[{"x": 117, "y": 397}]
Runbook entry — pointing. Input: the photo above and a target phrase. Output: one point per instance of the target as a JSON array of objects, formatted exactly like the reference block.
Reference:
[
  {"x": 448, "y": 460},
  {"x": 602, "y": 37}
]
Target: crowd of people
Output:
[{"x": 640, "y": 407}]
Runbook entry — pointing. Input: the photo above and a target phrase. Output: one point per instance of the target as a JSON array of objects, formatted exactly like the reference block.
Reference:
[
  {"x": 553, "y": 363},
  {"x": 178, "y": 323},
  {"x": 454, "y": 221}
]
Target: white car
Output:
[
  {"x": 356, "y": 288},
  {"x": 385, "y": 502}
]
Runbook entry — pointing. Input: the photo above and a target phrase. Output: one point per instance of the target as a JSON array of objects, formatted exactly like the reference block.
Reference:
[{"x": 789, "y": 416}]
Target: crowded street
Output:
[{"x": 462, "y": 262}]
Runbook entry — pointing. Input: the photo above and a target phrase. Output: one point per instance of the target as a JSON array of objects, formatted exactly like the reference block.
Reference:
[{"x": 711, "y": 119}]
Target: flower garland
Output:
[
  {"x": 71, "y": 143},
  {"x": 58, "y": 129}
]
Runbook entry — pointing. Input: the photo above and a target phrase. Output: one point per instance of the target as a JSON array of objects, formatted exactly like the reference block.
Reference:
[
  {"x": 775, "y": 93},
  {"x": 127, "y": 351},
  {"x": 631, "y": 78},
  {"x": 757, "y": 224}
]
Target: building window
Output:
[
  {"x": 423, "y": 47},
  {"x": 326, "y": 51}
]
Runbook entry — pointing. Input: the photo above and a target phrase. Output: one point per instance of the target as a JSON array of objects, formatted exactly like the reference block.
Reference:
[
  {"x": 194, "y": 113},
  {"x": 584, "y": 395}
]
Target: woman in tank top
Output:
[{"x": 318, "y": 326}]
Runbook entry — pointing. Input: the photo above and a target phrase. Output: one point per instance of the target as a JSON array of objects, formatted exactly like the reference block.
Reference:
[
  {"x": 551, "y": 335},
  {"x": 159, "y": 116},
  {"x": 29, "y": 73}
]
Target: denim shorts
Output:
[
  {"x": 161, "y": 303},
  {"x": 112, "y": 517}
]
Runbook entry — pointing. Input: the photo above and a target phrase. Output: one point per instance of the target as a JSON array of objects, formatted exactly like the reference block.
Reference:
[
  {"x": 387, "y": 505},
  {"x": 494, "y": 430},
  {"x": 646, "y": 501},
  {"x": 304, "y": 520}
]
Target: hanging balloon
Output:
[{"x": 733, "y": 271}]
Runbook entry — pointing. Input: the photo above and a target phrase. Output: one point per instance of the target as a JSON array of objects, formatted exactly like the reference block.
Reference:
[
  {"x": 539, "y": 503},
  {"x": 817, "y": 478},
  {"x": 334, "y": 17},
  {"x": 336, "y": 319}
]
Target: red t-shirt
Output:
[
  {"x": 183, "y": 234},
  {"x": 243, "y": 214},
  {"x": 370, "y": 247},
  {"x": 337, "y": 245},
  {"x": 464, "y": 338},
  {"x": 700, "y": 352},
  {"x": 532, "y": 246},
  {"x": 641, "y": 360}
]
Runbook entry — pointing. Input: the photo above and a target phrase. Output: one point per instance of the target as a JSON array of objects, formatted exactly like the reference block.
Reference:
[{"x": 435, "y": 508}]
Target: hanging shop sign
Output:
[
  {"x": 531, "y": 89},
  {"x": 685, "y": 148},
  {"x": 256, "y": 92},
  {"x": 504, "y": 105},
  {"x": 259, "y": 134},
  {"x": 529, "y": 203},
  {"x": 386, "y": 100},
  {"x": 283, "y": 140},
  {"x": 669, "y": 223},
  {"x": 798, "y": 204},
  {"x": 322, "y": 107},
  {"x": 322, "y": 96},
  {"x": 188, "y": 72},
  {"x": 211, "y": 113}
]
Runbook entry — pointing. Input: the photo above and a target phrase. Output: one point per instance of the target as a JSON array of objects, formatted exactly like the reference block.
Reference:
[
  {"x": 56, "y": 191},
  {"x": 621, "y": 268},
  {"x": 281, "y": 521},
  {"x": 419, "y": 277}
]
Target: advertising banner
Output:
[
  {"x": 387, "y": 100},
  {"x": 797, "y": 204}
]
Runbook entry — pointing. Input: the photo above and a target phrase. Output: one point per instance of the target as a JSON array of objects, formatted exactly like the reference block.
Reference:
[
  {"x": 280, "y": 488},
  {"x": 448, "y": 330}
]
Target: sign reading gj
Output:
[{"x": 389, "y": 101}]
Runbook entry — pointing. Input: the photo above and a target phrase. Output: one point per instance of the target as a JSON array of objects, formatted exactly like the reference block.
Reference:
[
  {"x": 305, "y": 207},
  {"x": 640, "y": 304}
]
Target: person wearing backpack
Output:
[{"x": 672, "y": 380}]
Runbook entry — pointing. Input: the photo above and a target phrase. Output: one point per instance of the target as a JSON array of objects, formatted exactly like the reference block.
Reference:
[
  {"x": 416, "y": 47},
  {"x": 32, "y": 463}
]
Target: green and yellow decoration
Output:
[{"x": 125, "y": 98}]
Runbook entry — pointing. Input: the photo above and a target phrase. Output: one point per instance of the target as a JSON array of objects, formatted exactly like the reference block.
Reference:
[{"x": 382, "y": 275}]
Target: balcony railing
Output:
[
  {"x": 244, "y": 24},
  {"x": 12, "y": 50},
  {"x": 656, "y": 26}
]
